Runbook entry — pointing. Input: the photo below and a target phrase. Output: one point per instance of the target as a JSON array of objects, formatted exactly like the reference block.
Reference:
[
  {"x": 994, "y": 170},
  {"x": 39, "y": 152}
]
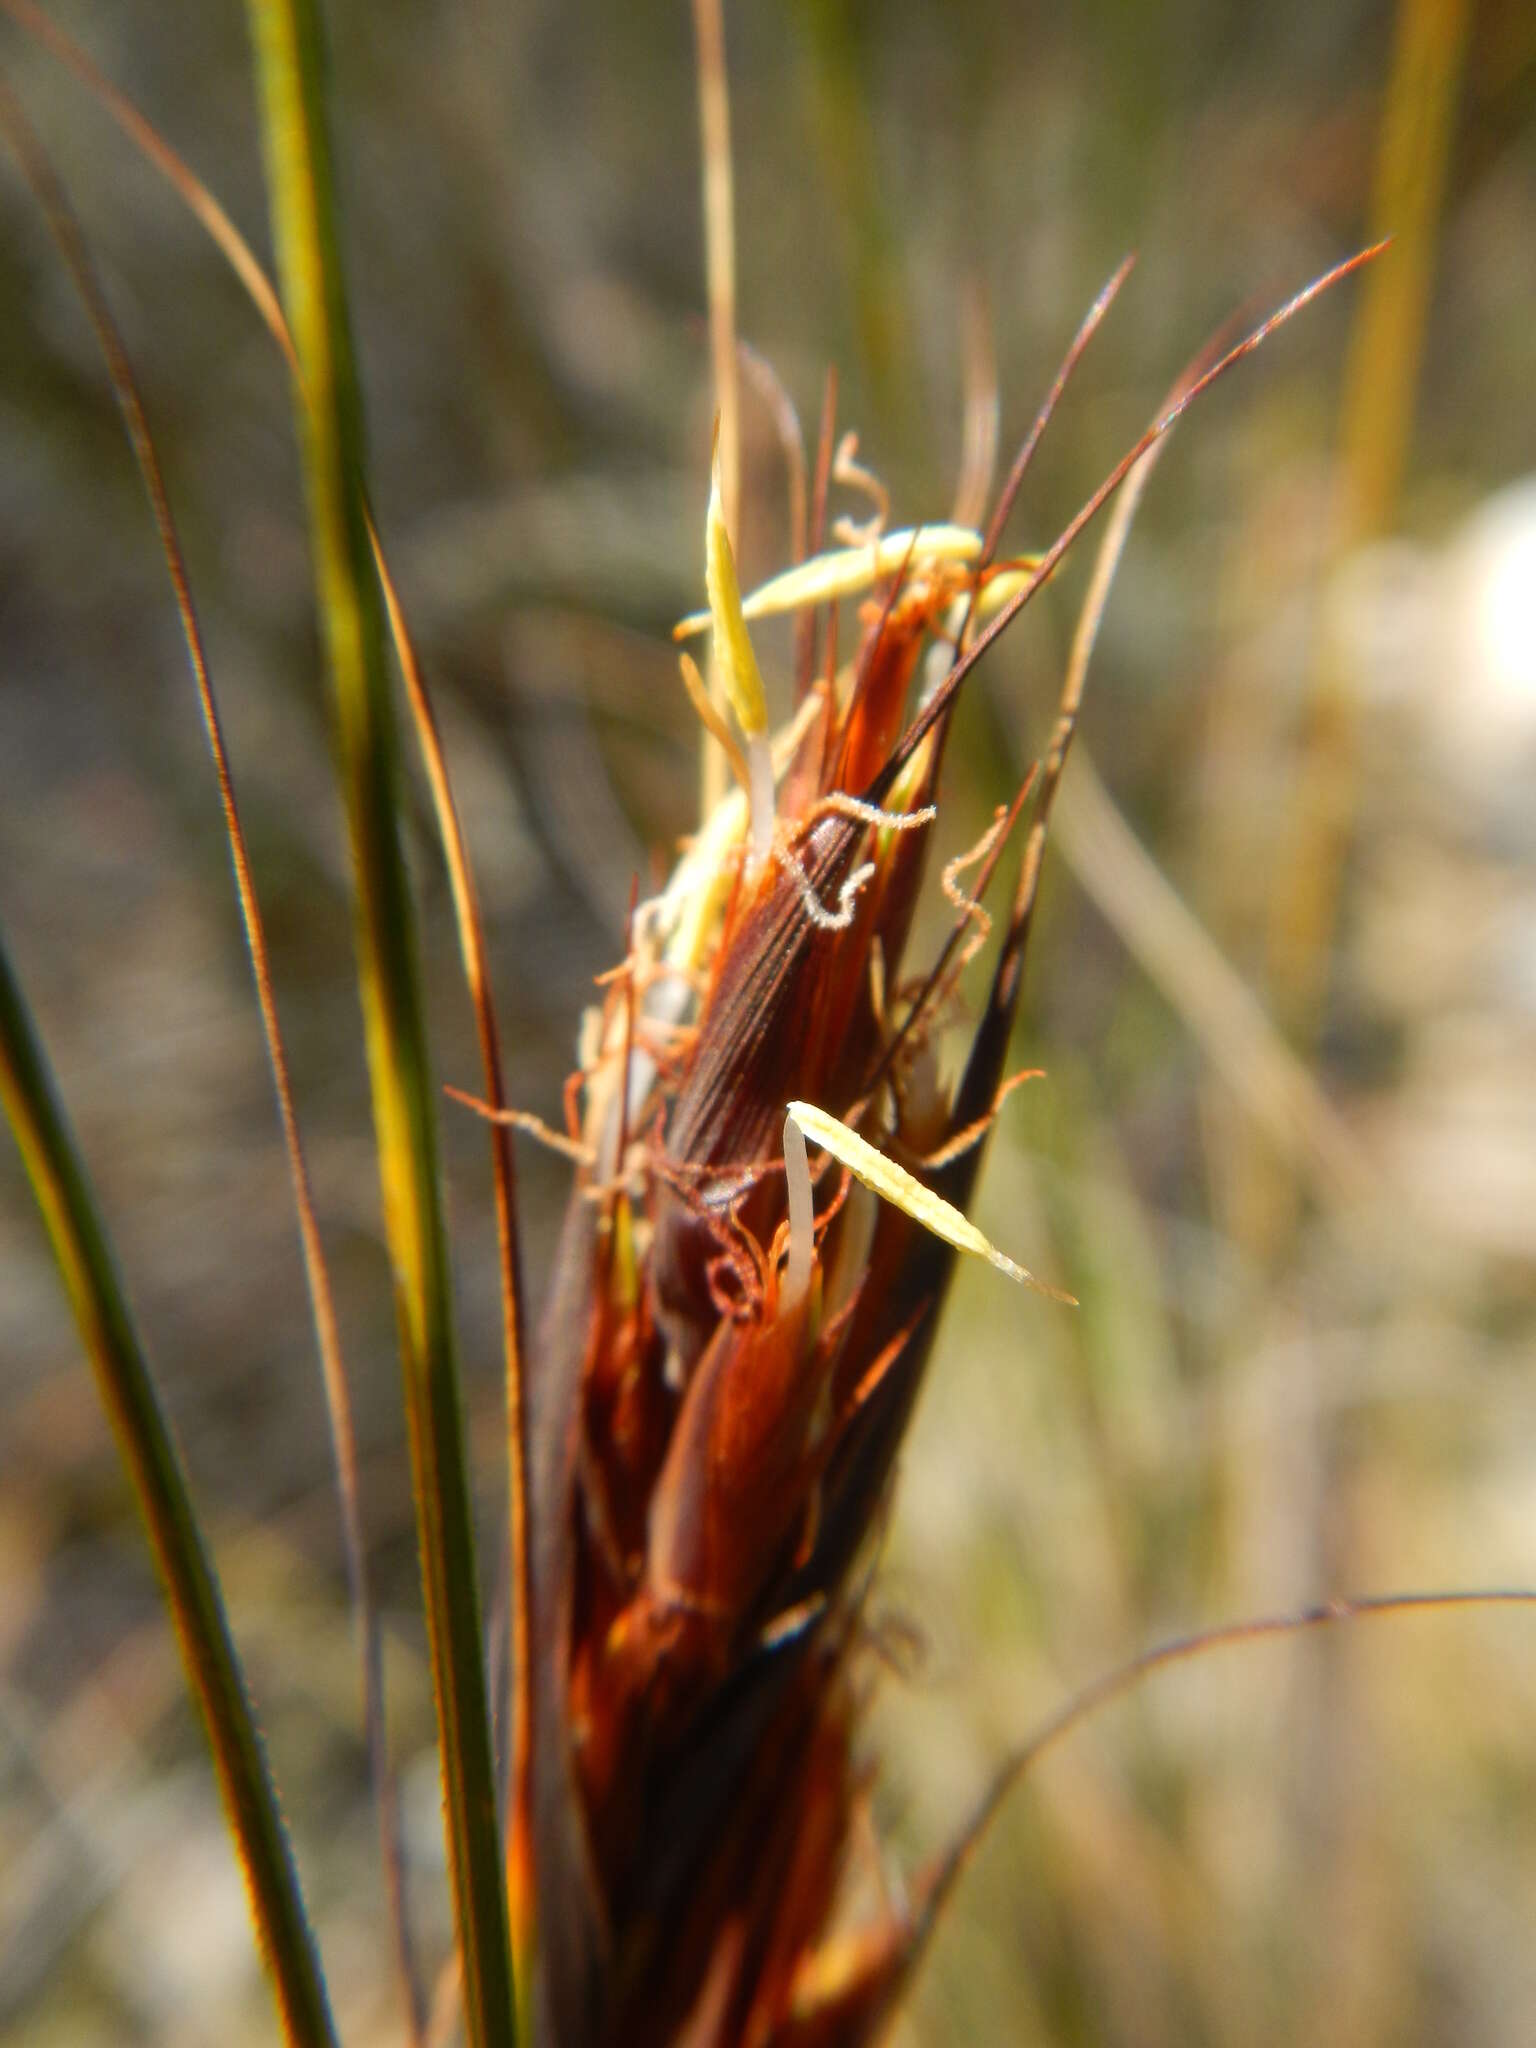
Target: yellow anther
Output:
[
  {"x": 1003, "y": 587},
  {"x": 844, "y": 572},
  {"x": 881, "y": 1173}
]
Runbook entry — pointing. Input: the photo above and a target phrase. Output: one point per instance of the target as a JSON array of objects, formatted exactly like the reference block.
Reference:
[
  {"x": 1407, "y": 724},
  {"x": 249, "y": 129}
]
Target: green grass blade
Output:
[
  {"x": 85, "y": 1260},
  {"x": 287, "y": 40}
]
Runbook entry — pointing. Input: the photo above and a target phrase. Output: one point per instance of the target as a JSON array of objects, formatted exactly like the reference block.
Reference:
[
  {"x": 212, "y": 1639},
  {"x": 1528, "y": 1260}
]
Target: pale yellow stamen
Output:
[
  {"x": 846, "y": 572},
  {"x": 1005, "y": 586},
  {"x": 881, "y": 1173},
  {"x": 712, "y": 720}
]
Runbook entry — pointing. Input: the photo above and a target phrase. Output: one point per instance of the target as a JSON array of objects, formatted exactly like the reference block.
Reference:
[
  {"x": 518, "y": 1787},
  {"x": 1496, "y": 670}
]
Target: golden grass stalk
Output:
[{"x": 289, "y": 58}]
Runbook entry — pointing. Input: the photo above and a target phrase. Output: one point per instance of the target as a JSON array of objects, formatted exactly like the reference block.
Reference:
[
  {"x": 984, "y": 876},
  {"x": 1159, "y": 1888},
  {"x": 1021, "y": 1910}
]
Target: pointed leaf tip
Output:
[{"x": 739, "y": 672}]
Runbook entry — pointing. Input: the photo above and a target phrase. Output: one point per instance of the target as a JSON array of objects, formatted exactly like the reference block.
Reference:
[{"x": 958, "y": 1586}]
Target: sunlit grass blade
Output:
[
  {"x": 720, "y": 284},
  {"x": 123, "y": 1377},
  {"x": 290, "y": 63},
  {"x": 521, "y": 1900},
  {"x": 70, "y": 241}
]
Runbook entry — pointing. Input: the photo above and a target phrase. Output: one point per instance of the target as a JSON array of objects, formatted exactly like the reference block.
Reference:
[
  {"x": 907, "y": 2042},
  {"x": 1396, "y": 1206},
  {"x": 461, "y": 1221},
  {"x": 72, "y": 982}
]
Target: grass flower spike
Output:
[{"x": 734, "y": 1345}]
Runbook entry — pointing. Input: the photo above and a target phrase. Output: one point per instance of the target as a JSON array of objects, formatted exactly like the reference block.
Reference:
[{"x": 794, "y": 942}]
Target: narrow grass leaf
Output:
[
  {"x": 117, "y": 1356},
  {"x": 290, "y": 65}
]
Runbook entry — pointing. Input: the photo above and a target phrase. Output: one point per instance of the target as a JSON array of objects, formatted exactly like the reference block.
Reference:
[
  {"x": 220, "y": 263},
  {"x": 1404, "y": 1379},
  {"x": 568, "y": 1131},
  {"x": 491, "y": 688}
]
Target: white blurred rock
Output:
[{"x": 1441, "y": 648}]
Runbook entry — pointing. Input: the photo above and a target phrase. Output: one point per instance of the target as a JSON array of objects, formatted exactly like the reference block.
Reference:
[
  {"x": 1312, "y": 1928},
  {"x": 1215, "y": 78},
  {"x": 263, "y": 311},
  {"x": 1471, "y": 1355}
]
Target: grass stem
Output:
[{"x": 290, "y": 66}]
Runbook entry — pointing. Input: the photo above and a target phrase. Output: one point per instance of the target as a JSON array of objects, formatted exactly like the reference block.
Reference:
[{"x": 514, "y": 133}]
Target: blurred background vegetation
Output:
[{"x": 1305, "y": 1247}]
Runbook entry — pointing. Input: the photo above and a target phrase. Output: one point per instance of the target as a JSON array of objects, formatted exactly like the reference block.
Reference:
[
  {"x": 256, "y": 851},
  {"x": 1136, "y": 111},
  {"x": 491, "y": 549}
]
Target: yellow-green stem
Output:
[{"x": 290, "y": 67}]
